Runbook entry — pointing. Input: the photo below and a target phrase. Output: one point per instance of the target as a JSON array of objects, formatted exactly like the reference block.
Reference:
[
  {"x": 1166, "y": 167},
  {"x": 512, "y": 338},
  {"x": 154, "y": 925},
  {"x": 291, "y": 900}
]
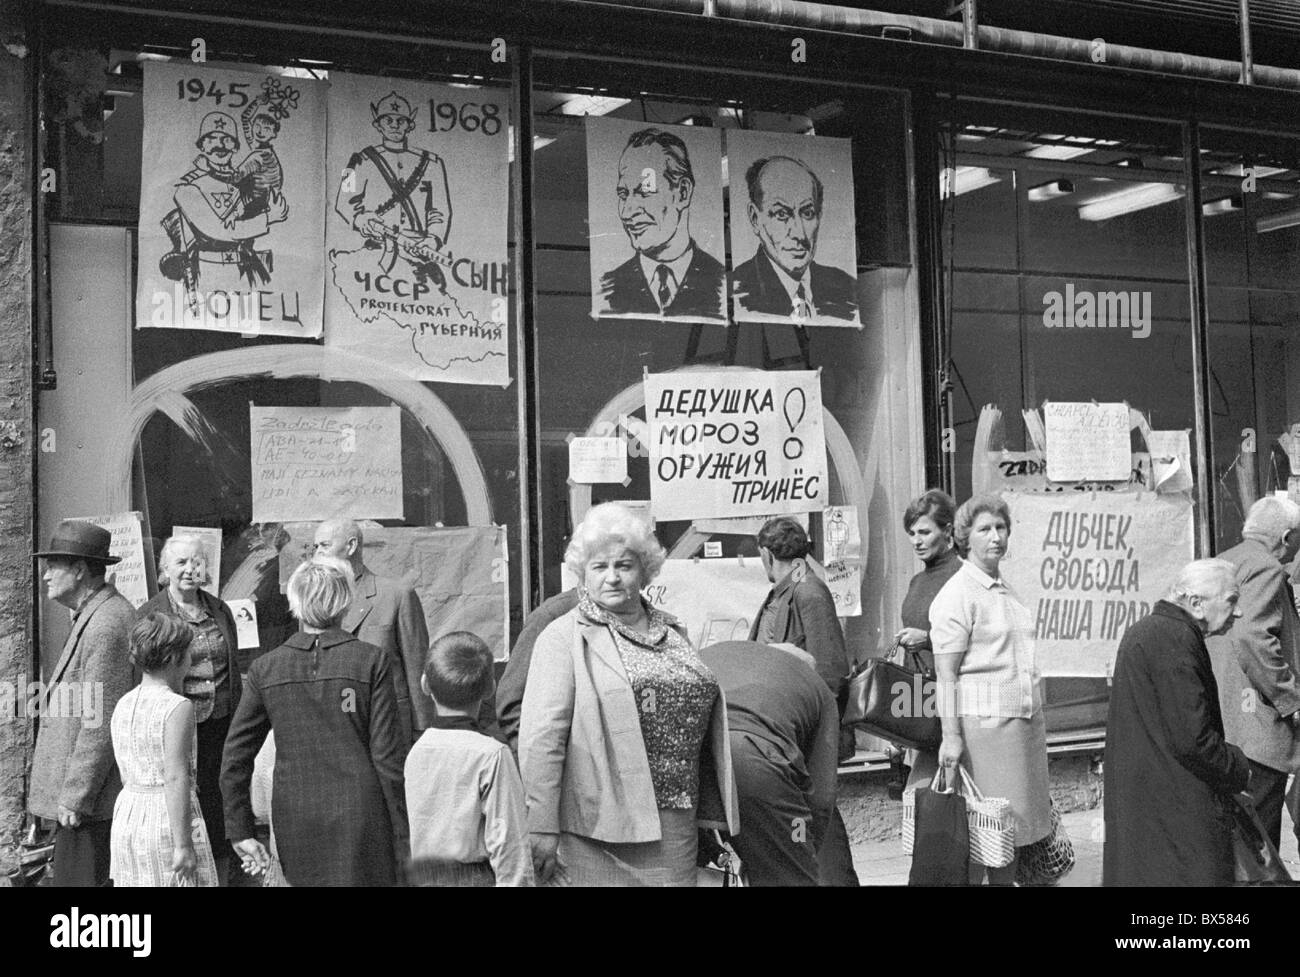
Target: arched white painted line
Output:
[
  {"x": 839, "y": 451},
  {"x": 288, "y": 361}
]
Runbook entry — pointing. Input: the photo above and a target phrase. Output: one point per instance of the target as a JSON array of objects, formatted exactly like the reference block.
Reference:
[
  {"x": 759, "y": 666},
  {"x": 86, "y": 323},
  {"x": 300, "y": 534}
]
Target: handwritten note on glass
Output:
[
  {"x": 1087, "y": 442},
  {"x": 319, "y": 462}
]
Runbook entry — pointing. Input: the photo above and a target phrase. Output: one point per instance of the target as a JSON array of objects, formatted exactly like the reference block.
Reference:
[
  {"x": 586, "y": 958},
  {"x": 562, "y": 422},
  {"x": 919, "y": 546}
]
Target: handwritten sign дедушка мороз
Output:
[
  {"x": 735, "y": 443},
  {"x": 312, "y": 463}
]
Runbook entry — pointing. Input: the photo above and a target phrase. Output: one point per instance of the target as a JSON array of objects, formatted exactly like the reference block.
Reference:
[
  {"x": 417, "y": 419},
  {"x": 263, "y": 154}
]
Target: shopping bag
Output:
[
  {"x": 941, "y": 836},
  {"x": 992, "y": 829},
  {"x": 1049, "y": 860},
  {"x": 1257, "y": 861}
]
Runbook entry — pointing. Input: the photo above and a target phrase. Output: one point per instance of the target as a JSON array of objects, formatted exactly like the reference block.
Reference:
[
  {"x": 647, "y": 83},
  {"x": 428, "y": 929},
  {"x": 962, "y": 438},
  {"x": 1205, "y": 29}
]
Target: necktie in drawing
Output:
[
  {"x": 665, "y": 288},
  {"x": 802, "y": 308}
]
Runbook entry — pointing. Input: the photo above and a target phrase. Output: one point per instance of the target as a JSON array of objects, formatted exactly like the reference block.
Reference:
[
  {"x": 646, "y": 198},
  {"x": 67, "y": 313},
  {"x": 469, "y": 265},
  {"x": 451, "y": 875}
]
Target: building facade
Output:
[{"x": 1035, "y": 224}]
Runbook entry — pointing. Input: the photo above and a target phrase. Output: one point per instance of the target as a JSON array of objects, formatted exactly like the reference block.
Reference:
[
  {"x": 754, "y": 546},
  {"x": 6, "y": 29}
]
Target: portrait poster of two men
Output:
[{"x": 655, "y": 211}]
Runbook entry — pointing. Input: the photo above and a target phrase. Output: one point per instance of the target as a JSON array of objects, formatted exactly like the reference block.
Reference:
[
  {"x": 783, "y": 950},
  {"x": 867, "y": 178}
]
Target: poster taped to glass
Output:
[
  {"x": 418, "y": 275},
  {"x": 736, "y": 443},
  {"x": 231, "y": 191}
]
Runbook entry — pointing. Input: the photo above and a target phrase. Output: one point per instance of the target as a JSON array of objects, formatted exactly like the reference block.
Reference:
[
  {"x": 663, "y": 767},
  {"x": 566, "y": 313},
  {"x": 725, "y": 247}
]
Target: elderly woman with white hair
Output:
[
  {"x": 338, "y": 803},
  {"x": 623, "y": 739},
  {"x": 212, "y": 680}
]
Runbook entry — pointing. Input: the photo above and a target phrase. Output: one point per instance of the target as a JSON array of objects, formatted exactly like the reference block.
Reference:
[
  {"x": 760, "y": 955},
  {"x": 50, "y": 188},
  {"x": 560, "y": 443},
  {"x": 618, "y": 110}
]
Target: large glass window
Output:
[
  {"x": 188, "y": 392},
  {"x": 590, "y": 371},
  {"x": 1252, "y": 235},
  {"x": 1065, "y": 267}
]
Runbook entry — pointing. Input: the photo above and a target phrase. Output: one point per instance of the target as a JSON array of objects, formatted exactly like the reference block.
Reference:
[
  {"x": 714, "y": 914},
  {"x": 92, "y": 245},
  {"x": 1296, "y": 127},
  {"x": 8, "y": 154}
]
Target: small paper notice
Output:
[
  {"x": 841, "y": 539},
  {"x": 594, "y": 461},
  {"x": 127, "y": 545},
  {"x": 1171, "y": 460},
  {"x": 845, "y": 583},
  {"x": 245, "y": 612},
  {"x": 1087, "y": 442}
]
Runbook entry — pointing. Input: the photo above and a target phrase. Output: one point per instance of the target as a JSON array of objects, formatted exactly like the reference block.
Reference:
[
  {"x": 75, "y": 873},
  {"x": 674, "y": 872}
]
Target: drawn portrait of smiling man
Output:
[
  {"x": 785, "y": 206},
  {"x": 670, "y": 273}
]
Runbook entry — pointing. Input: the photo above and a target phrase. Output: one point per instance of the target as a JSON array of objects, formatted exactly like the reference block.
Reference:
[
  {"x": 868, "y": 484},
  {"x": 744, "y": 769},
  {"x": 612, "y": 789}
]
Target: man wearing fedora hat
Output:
[{"x": 74, "y": 775}]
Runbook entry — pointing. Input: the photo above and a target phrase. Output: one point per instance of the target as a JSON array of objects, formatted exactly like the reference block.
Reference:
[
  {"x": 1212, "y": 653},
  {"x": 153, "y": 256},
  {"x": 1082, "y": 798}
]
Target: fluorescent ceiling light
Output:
[
  {"x": 1137, "y": 197},
  {"x": 964, "y": 179},
  {"x": 1224, "y": 205},
  {"x": 1059, "y": 152},
  {"x": 1050, "y": 191},
  {"x": 1238, "y": 170},
  {"x": 592, "y": 105},
  {"x": 1278, "y": 222}
]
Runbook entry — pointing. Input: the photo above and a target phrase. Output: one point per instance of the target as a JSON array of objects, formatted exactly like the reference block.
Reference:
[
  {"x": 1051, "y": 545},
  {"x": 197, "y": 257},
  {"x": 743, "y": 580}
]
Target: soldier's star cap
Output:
[
  {"x": 220, "y": 124},
  {"x": 392, "y": 104}
]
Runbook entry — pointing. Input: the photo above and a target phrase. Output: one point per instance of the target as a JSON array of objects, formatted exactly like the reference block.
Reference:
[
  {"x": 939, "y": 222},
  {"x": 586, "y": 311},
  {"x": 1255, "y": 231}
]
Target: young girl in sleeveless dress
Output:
[{"x": 158, "y": 837}]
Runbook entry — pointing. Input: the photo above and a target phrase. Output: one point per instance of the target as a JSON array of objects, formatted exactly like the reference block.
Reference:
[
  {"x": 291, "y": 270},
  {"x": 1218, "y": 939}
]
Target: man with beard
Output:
[
  {"x": 670, "y": 274},
  {"x": 208, "y": 226},
  {"x": 782, "y": 279}
]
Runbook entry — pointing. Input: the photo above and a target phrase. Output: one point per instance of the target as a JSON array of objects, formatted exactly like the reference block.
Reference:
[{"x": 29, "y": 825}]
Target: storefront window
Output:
[
  {"x": 1252, "y": 235},
  {"x": 161, "y": 421},
  {"x": 1069, "y": 337},
  {"x": 591, "y": 370}
]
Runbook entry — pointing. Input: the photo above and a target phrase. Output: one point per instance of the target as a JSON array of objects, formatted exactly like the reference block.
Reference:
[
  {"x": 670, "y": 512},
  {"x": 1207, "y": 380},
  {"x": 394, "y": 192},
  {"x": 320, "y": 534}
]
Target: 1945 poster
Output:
[
  {"x": 793, "y": 244},
  {"x": 231, "y": 190},
  {"x": 654, "y": 205},
  {"x": 418, "y": 275}
]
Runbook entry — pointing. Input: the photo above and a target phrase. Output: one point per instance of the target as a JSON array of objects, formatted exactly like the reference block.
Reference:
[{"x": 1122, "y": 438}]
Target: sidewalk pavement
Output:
[{"x": 883, "y": 862}]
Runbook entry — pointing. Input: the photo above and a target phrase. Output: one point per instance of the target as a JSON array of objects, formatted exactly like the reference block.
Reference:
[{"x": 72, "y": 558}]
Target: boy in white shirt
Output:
[{"x": 464, "y": 797}]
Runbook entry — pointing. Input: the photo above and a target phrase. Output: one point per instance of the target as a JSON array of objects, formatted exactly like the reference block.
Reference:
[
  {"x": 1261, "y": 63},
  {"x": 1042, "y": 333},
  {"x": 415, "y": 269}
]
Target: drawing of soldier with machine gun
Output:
[
  {"x": 397, "y": 198},
  {"x": 209, "y": 225}
]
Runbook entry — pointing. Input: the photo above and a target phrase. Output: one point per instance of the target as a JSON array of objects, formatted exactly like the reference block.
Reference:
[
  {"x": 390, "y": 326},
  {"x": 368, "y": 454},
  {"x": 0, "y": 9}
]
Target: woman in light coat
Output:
[{"x": 623, "y": 739}]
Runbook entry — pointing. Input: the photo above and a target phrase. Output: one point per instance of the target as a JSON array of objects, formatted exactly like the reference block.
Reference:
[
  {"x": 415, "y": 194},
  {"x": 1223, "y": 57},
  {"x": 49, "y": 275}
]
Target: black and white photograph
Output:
[{"x": 651, "y": 444}]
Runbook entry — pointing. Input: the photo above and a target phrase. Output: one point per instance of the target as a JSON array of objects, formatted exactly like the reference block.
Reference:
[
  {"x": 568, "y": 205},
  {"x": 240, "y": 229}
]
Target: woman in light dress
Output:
[{"x": 158, "y": 836}]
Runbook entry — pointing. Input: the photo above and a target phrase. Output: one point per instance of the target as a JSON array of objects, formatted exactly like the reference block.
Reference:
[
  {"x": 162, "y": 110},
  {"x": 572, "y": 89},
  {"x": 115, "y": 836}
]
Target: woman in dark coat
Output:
[
  {"x": 1169, "y": 773},
  {"x": 338, "y": 803}
]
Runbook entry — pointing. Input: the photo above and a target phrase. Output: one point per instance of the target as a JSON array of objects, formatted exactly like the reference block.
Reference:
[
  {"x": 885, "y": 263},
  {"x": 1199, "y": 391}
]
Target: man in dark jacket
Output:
[
  {"x": 510, "y": 689},
  {"x": 784, "y": 733},
  {"x": 799, "y": 610},
  {"x": 1169, "y": 771},
  {"x": 74, "y": 777},
  {"x": 1255, "y": 665}
]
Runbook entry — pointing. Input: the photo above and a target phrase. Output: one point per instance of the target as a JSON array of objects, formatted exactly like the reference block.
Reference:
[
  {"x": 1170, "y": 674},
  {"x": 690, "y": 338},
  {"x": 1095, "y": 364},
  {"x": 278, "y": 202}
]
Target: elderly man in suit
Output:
[
  {"x": 388, "y": 614},
  {"x": 1256, "y": 664},
  {"x": 782, "y": 279},
  {"x": 74, "y": 776},
  {"x": 1170, "y": 772},
  {"x": 670, "y": 274}
]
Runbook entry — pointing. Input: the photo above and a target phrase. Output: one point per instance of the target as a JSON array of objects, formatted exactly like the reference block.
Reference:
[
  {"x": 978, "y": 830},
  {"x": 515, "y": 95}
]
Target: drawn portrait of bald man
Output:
[{"x": 793, "y": 206}]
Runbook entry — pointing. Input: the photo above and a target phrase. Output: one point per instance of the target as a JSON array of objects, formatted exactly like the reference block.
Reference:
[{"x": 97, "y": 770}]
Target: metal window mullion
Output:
[{"x": 1197, "y": 296}]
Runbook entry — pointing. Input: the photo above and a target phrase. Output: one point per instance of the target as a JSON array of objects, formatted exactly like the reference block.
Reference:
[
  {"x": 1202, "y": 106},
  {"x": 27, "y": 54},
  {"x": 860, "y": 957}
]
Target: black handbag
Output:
[
  {"x": 895, "y": 702},
  {"x": 1257, "y": 861}
]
